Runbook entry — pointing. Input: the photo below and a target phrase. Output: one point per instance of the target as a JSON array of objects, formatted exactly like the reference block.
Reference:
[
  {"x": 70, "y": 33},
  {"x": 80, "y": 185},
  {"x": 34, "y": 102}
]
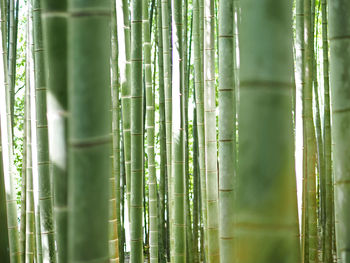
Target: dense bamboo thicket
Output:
[{"x": 174, "y": 131}]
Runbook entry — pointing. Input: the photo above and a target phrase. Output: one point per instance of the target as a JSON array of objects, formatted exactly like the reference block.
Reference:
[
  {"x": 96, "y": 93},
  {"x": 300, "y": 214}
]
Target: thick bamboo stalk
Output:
[
  {"x": 11, "y": 205},
  {"x": 177, "y": 139},
  {"x": 199, "y": 90},
  {"x": 168, "y": 106},
  {"x": 266, "y": 227},
  {"x": 339, "y": 31},
  {"x": 227, "y": 128},
  {"x": 45, "y": 192},
  {"x": 210, "y": 133},
  {"x": 136, "y": 255},
  {"x": 54, "y": 25},
  {"x": 89, "y": 37},
  {"x": 310, "y": 139}
]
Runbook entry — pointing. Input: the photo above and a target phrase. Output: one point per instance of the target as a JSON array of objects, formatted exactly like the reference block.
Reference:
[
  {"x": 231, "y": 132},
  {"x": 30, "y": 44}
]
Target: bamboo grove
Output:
[{"x": 174, "y": 131}]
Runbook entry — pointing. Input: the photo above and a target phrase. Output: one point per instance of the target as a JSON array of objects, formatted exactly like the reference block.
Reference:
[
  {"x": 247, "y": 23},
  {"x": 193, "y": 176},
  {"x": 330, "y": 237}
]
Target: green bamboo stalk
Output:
[
  {"x": 185, "y": 82},
  {"x": 199, "y": 90},
  {"x": 210, "y": 133},
  {"x": 89, "y": 37},
  {"x": 136, "y": 134},
  {"x": 114, "y": 179},
  {"x": 152, "y": 183},
  {"x": 196, "y": 211},
  {"x": 30, "y": 213},
  {"x": 4, "y": 238},
  {"x": 22, "y": 231},
  {"x": 266, "y": 223},
  {"x": 11, "y": 57},
  {"x": 227, "y": 128},
  {"x": 310, "y": 133},
  {"x": 328, "y": 256},
  {"x": 54, "y": 25},
  {"x": 339, "y": 31},
  {"x": 162, "y": 139},
  {"x": 11, "y": 203},
  {"x": 177, "y": 139},
  {"x": 168, "y": 107},
  {"x": 300, "y": 82},
  {"x": 38, "y": 255},
  {"x": 126, "y": 95},
  {"x": 45, "y": 192},
  {"x": 122, "y": 189}
]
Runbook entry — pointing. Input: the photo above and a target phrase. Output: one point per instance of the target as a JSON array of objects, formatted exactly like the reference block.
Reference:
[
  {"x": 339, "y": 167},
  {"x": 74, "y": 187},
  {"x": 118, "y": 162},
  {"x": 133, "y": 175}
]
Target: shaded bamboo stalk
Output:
[
  {"x": 114, "y": 179},
  {"x": 227, "y": 128},
  {"x": 7, "y": 148},
  {"x": 178, "y": 140},
  {"x": 339, "y": 43},
  {"x": 137, "y": 178},
  {"x": 54, "y": 24},
  {"x": 89, "y": 149},
  {"x": 162, "y": 140}
]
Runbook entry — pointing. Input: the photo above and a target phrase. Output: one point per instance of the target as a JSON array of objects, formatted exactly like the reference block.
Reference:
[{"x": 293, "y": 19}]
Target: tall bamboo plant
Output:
[
  {"x": 89, "y": 37},
  {"x": 177, "y": 139},
  {"x": 199, "y": 91},
  {"x": 210, "y": 133},
  {"x": 136, "y": 255},
  {"x": 265, "y": 106},
  {"x": 11, "y": 205},
  {"x": 339, "y": 31},
  {"x": 227, "y": 128},
  {"x": 45, "y": 192},
  {"x": 30, "y": 213},
  {"x": 54, "y": 24},
  {"x": 328, "y": 252},
  {"x": 114, "y": 179},
  {"x": 150, "y": 123},
  {"x": 162, "y": 139}
]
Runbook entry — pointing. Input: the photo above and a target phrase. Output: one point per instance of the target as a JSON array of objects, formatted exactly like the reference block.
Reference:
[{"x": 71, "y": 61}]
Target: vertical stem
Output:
[
  {"x": 328, "y": 256},
  {"x": 9, "y": 171},
  {"x": 89, "y": 37},
  {"x": 4, "y": 238},
  {"x": 55, "y": 44},
  {"x": 177, "y": 138},
  {"x": 227, "y": 128},
  {"x": 265, "y": 105},
  {"x": 162, "y": 138},
  {"x": 196, "y": 211},
  {"x": 199, "y": 90},
  {"x": 152, "y": 179},
  {"x": 126, "y": 95},
  {"x": 310, "y": 133},
  {"x": 30, "y": 214},
  {"x": 339, "y": 31},
  {"x": 114, "y": 179},
  {"x": 136, "y": 255},
  {"x": 210, "y": 133},
  {"x": 168, "y": 106}
]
